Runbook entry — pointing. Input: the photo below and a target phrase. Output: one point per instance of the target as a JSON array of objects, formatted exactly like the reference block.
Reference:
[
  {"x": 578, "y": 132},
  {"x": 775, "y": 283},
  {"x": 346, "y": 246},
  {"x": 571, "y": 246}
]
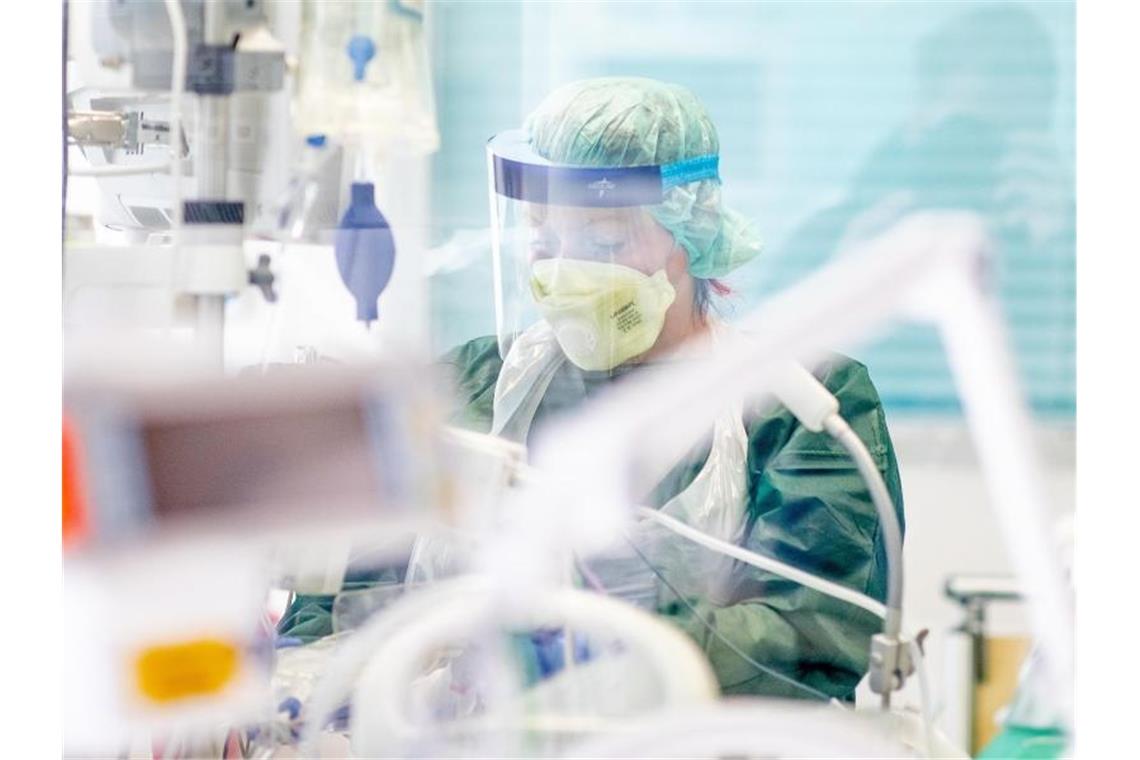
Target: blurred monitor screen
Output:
[
  {"x": 297, "y": 452},
  {"x": 312, "y": 458}
]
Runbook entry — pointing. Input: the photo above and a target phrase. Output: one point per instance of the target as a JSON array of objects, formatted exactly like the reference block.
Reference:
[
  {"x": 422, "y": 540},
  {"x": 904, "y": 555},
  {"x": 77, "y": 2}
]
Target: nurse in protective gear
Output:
[{"x": 609, "y": 235}]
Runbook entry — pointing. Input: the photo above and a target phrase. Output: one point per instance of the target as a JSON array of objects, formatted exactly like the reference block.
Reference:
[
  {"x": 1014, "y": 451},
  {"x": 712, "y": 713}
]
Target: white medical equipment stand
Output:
[{"x": 205, "y": 274}]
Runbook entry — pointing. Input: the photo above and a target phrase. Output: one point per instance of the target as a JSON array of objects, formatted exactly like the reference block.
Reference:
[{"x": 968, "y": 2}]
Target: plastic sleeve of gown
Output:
[{"x": 808, "y": 507}]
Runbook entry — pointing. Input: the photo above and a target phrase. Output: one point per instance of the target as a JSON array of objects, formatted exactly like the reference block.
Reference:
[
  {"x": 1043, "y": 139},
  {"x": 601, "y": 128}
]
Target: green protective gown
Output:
[{"x": 808, "y": 507}]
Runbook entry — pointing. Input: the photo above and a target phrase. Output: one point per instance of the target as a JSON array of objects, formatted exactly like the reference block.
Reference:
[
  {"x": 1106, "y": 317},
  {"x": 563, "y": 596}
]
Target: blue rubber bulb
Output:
[
  {"x": 361, "y": 49},
  {"x": 365, "y": 251}
]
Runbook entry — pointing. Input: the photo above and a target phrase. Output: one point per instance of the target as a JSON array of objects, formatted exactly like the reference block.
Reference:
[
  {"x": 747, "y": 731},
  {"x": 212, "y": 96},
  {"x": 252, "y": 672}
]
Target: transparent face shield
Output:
[{"x": 579, "y": 261}]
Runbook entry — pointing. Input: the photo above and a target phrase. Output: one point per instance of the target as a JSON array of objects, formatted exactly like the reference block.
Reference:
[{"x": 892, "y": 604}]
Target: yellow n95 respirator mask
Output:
[{"x": 602, "y": 314}]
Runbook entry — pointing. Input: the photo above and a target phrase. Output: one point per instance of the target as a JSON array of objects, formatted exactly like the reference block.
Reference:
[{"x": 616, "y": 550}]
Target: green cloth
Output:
[
  {"x": 1025, "y": 743},
  {"x": 808, "y": 507},
  {"x": 634, "y": 121}
]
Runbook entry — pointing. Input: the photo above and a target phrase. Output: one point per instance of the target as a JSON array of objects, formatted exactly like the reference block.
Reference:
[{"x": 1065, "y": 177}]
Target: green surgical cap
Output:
[{"x": 631, "y": 121}]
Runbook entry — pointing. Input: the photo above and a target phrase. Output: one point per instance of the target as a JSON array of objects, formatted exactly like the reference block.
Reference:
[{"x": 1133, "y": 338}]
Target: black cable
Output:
[{"x": 720, "y": 636}]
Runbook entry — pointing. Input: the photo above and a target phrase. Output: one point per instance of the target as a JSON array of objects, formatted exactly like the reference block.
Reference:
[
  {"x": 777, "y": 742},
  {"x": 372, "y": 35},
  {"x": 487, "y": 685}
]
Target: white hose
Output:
[
  {"x": 822, "y": 585},
  {"x": 682, "y": 674},
  {"x": 830, "y": 588},
  {"x": 348, "y": 661}
]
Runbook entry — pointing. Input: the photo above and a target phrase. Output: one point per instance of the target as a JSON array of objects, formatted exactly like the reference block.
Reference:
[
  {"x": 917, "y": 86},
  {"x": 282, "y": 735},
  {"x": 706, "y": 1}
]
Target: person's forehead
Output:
[{"x": 581, "y": 216}]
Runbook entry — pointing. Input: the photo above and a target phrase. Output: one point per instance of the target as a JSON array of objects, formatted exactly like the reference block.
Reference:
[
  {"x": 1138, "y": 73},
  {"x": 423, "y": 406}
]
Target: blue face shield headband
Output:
[{"x": 518, "y": 172}]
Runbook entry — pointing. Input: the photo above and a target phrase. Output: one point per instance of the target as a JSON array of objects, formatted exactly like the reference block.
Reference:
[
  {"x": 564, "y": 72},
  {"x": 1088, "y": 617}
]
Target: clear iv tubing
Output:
[
  {"x": 822, "y": 585},
  {"x": 720, "y": 636},
  {"x": 830, "y": 588},
  {"x": 360, "y": 172},
  {"x": 363, "y": 150},
  {"x": 916, "y": 651}
]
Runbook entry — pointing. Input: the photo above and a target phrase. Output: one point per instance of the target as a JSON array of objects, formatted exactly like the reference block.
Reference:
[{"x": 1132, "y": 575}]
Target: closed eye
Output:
[{"x": 607, "y": 250}]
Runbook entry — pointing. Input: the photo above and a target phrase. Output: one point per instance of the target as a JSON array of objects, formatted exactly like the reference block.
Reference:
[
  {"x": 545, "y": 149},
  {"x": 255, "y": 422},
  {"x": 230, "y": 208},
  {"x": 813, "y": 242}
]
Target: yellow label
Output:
[{"x": 189, "y": 669}]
